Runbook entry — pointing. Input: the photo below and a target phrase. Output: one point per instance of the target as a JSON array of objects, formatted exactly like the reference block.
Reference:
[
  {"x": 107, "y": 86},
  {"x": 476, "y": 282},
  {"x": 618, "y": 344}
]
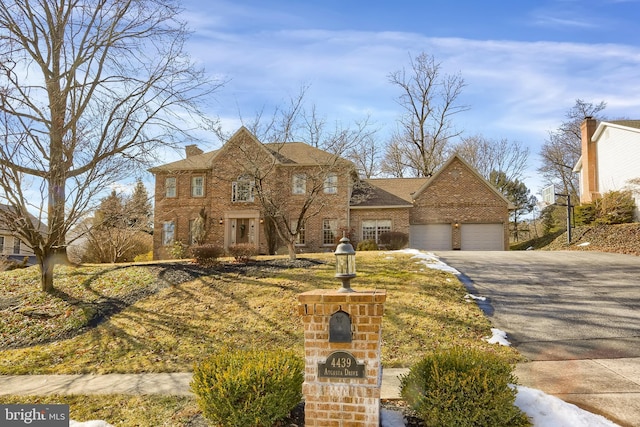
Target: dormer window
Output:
[{"x": 243, "y": 189}]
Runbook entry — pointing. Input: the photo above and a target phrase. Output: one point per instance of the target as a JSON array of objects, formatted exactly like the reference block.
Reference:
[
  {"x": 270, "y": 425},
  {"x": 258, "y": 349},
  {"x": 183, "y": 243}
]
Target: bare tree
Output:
[
  {"x": 429, "y": 100},
  {"x": 562, "y": 149},
  {"x": 488, "y": 156},
  {"x": 88, "y": 89},
  {"x": 285, "y": 217},
  {"x": 120, "y": 229}
]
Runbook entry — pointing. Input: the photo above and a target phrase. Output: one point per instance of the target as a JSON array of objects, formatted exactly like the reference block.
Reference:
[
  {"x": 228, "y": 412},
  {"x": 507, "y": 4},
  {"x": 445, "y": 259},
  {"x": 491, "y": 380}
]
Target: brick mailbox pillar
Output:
[{"x": 343, "y": 373}]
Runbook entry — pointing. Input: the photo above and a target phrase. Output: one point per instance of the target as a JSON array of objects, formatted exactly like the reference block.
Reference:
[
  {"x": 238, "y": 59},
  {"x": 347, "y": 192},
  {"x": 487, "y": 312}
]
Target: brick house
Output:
[
  {"x": 454, "y": 209},
  {"x": 610, "y": 158}
]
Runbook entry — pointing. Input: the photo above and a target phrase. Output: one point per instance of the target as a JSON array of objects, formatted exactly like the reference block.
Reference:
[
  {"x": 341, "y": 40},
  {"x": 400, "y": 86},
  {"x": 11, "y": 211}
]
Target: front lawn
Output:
[{"x": 166, "y": 317}]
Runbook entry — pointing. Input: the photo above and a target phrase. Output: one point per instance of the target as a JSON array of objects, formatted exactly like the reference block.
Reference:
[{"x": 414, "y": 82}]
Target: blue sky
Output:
[{"x": 524, "y": 62}]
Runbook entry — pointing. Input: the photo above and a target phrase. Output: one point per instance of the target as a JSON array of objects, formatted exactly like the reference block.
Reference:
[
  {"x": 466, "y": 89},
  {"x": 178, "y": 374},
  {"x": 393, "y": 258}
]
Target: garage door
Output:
[
  {"x": 482, "y": 237},
  {"x": 430, "y": 237}
]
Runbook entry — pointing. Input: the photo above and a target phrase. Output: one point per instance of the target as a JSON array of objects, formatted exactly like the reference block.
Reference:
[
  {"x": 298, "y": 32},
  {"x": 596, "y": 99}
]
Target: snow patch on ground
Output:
[
  {"x": 428, "y": 259},
  {"x": 549, "y": 411},
  {"x": 470, "y": 297},
  {"x": 498, "y": 337}
]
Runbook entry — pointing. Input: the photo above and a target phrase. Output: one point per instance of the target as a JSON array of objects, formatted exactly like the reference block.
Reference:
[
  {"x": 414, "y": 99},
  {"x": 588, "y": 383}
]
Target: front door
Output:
[{"x": 242, "y": 230}]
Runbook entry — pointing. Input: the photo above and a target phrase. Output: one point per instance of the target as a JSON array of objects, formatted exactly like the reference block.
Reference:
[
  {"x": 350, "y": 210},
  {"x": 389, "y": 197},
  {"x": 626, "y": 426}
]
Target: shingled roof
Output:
[
  {"x": 627, "y": 123},
  {"x": 290, "y": 153},
  {"x": 386, "y": 192}
]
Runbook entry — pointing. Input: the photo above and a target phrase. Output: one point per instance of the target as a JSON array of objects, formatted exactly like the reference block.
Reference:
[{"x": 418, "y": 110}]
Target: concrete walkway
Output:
[{"x": 168, "y": 384}]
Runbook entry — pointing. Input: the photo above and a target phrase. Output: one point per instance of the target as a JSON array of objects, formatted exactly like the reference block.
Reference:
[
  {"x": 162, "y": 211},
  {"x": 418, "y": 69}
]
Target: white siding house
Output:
[{"x": 610, "y": 159}]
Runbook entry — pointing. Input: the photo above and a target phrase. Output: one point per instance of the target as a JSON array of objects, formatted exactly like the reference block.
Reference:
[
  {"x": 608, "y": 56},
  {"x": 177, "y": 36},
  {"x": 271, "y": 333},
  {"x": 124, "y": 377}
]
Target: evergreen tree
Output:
[{"x": 518, "y": 194}]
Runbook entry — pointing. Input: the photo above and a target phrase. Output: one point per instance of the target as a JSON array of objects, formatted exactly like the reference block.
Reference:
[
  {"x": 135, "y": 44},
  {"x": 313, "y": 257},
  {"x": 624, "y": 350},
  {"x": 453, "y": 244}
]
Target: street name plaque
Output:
[{"x": 341, "y": 364}]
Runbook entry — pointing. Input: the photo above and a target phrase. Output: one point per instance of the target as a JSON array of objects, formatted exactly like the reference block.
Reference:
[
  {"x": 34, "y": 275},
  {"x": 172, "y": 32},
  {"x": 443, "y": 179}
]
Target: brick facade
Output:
[
  {"x": 342, "y": 402},
  {"x": 456, "y": 194}
]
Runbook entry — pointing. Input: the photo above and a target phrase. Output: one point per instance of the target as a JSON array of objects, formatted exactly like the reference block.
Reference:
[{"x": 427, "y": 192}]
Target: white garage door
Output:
[
  {"x": 430, "y": 237},
  {"x": 482, "y": 237}
]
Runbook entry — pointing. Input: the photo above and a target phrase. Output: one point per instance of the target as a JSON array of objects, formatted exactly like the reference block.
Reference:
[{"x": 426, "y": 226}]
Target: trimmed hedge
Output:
[
  {"x": 207, "y": 255},
  {"x": 367, "y": 245},
  {"x": 463, "y": 387},
  {"x": 242, "y": 388}
]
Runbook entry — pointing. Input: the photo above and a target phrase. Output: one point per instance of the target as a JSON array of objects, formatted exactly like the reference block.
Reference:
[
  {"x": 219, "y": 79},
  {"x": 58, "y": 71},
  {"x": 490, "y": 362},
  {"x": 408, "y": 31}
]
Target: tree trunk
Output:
[
  {"x": 291, "y": 246},
  {"x": 47, "y": 264}
]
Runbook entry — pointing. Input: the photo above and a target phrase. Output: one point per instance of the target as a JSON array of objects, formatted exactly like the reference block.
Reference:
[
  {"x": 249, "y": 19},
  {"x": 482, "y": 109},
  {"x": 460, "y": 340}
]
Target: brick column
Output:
[{"x": 332, "y": 398}]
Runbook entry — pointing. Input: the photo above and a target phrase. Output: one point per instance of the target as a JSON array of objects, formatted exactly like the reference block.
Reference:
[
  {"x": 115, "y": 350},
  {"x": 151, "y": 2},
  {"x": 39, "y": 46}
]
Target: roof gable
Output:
[
  {"x": 449, "y": 165},
  {"x": 289, "y": 153},
  {"x": 625, "y": 125}
]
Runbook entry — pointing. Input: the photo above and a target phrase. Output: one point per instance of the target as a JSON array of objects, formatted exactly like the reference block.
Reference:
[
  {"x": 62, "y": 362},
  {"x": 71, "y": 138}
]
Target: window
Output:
[
  {"x": 170, "y": 187},
  {"x": 300, "y": 236},
  {"x": 197, "y": 186},
  {"x": 242, "y": 189},
  {"x": 329, "y": 231},
  {"x": 1, "y": 244},
  {"x": 16, "y": 245},
  {"x": 372, "y": 229},
  {"x": 331, "y": 184},
  {"x": 299, "y": 184},
  {"x": 168, "y": 232}
]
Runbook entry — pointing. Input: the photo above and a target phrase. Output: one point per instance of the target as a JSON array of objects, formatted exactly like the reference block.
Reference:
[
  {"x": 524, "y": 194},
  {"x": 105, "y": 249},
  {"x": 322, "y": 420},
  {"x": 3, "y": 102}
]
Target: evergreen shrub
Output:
[
  {"x": 463, "y": 387},
  {"x": 243, "y": 252},
  {"x": 206, "y": 255},
  {"x": 243, "y": 388},
  {"x": 367, "y": 245},
  {"x": 394, "y": 240}
]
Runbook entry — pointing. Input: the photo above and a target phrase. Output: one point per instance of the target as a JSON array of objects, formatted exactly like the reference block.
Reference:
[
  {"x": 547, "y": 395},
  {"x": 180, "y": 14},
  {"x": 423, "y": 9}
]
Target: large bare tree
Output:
[
  {"x": 88, "y": 88},
  {"x": 562, "y": 149},
  {"x": 430, "y": 100},
  {"x": 488, "y": 156}
]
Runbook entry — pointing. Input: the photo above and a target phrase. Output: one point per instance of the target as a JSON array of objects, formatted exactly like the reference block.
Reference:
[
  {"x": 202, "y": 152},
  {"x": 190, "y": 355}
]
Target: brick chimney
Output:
[
  {"x": 192, "y": 150},
  {"x": 588, "y": 177}
]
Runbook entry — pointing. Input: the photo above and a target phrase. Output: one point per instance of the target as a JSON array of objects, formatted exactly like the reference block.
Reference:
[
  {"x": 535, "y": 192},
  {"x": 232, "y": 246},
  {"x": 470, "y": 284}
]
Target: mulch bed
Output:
[{"x": 296, "y": 418}]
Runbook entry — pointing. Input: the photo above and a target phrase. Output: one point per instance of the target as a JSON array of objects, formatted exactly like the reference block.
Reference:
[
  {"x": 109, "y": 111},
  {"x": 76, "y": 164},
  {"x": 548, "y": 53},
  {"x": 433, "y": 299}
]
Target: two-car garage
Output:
[{"x": 467, "y": 237}]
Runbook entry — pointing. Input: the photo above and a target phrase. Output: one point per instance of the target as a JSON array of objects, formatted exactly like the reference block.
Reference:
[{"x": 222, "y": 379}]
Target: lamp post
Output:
[{"x": 345, "y": 264}]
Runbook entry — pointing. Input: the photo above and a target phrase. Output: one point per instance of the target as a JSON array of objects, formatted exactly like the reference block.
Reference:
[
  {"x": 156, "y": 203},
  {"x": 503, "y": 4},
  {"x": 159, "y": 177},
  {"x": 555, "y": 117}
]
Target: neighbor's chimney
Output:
[
  {"x": 589, "y": 160},
  {"x": 192, "y": 150}
]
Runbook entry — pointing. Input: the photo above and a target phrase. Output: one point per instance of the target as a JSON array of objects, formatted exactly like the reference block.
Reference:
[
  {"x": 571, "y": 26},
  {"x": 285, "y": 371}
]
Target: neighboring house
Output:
[
  {"x": 454, "y": 209},
  {"x": 12, "y": 247},
  {"x": 610, "y": 159}
]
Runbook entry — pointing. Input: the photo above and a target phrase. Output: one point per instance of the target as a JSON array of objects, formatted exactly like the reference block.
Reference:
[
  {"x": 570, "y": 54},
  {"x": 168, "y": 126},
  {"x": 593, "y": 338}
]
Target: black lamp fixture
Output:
[
  {"x": 220, "y": 221},
  {"x": 345, "y": 264}
]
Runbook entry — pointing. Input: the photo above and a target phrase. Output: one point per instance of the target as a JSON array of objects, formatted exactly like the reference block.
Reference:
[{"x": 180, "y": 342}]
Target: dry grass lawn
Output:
[{"x": 179, "y": 325}]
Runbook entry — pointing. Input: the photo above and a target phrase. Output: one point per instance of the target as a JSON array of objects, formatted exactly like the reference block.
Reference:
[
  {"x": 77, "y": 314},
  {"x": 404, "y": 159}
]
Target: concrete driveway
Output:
[{"x": 574, "y": 315}]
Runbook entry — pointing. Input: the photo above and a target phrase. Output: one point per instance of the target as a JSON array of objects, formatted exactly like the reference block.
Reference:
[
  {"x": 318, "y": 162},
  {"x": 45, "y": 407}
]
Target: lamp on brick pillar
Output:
[{"x": 345, "y": 264}]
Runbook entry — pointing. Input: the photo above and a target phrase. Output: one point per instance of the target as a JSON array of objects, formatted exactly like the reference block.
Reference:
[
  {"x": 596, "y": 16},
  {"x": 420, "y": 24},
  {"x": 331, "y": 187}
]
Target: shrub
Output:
[
  {"x": 7, "y": 264},
  {"x": 243, "y": 252},
  {"x": 462, "y": 387},
  {"x": 240, "y": 388},
  {"x": 206, "y": 255},
  {"x": 584, "y": 214},
  {"x": 615, "y": 207},
  {"x": 367, "y": 245},
  {"x": 144, "y": 257},
  {"x": 178, "y": 250},
  {"x": 394, "y": 240}
]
